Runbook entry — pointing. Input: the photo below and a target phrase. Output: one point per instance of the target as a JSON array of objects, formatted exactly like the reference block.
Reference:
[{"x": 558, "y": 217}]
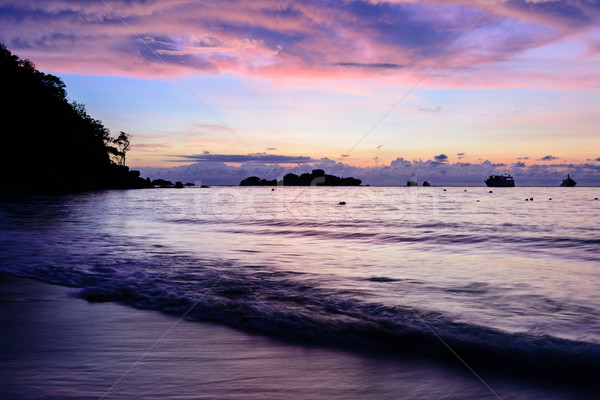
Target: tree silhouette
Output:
[
  {"x": 122, "y": 142},
  {"x": 50, "y": 142}
]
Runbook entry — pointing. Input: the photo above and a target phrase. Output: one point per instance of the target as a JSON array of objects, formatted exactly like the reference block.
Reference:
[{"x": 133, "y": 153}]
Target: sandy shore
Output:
[{"x": 55, "y": 346}]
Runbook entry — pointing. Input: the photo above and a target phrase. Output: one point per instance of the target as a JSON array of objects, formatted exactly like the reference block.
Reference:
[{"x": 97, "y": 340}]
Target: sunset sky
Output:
[{"x": 357, "y": 85}]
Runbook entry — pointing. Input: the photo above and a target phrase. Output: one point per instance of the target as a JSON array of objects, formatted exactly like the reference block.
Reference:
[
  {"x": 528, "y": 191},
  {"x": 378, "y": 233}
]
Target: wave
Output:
[
  {"x": 303, "y": 313},
  {"x": 292, "y": 307},
  {"x": 566, "y": 247},
  {"x": 580, "y": 242}
]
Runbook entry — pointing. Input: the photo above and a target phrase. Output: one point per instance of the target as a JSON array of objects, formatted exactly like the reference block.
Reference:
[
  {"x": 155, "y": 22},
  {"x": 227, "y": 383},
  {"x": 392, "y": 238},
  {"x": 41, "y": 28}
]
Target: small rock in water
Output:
[
  {"x": 595, "y": 198},
  {"x": 526, "y": 199},
  {"x": 97, "y": 298},
  {"x": 341, "y": 203},
  {"x": 550, "y": 198},
  {"x": 491, "y": 191},
  {"x": 531, "y": 199}
]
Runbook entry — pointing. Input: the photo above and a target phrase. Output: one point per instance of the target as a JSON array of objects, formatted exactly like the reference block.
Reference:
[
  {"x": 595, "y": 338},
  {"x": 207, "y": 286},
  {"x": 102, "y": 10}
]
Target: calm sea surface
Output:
[{"x": 419, "y": 271}]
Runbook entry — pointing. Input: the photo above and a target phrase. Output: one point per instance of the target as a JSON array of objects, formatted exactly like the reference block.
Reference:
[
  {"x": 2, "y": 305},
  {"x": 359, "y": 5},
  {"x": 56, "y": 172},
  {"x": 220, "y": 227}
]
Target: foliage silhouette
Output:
[
  {"x": 123, "y": 141},
  {"x": 50, "y": 143}
]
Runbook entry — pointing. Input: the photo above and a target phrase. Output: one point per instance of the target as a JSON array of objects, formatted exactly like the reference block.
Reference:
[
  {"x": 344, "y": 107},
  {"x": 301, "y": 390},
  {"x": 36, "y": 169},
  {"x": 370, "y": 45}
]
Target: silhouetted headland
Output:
[
  {"x": 52, "y": 144},
  {"x": 317, "y": 177}
]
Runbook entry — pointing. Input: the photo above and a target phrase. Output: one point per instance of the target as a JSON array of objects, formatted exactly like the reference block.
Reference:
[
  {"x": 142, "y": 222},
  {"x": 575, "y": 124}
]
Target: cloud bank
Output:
[
  {"x": 251, "y": 158},
  {"x": 394, "y": 174}
]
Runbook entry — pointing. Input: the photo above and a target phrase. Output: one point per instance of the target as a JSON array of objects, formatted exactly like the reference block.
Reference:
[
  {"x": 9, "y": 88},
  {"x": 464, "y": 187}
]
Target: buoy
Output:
[
  {"x": 478, "y": 201},
  {"x": 550, "y": 198},
  {"x": 341, "y": 203},
  {"x": 531, "y": 198},
  {"x": 595, "y": 198},
  {"x": 491, "y": 191},
  {"x": 444, "y": 190},
  {"x": 465, "y": 190},
  {"x": 526, "y": 199},
  {"x": 272, "y": 190}
]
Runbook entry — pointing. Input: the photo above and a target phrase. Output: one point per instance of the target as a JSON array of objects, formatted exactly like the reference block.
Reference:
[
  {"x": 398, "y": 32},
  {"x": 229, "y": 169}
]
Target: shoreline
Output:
[{"x": 55, "y": 345}]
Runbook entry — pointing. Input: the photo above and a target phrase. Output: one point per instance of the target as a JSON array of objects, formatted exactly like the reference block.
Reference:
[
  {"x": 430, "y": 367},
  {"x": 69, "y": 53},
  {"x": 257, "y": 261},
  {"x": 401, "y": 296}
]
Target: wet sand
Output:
[{"x": 56, "y": 346}]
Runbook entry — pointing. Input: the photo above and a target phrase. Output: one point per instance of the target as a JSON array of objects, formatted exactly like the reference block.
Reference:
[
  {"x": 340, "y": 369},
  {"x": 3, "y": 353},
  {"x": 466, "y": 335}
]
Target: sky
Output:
[{"x": 215, "y": 91}]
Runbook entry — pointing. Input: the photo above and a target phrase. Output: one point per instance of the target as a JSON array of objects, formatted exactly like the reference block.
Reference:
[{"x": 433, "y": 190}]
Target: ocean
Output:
[{"x": 498, "y": 282}]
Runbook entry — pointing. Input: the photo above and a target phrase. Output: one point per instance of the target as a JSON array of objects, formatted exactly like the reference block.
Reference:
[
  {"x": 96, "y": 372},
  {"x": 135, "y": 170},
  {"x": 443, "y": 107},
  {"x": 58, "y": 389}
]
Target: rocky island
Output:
[{"x": 317, "y": 177}]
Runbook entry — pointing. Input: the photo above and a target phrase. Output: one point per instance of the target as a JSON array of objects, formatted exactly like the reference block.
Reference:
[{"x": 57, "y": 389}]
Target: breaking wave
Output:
[{"x": 292, "y": 307}]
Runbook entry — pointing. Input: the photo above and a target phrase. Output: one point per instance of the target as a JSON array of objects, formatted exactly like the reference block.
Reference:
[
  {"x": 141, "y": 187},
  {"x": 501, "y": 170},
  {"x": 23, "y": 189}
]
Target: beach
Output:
[{"x": 56, "y": 346}]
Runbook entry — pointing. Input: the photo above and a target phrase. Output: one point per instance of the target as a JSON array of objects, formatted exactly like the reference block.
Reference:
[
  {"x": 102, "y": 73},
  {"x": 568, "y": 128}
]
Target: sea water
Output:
[{"x": 501, "y": 279}]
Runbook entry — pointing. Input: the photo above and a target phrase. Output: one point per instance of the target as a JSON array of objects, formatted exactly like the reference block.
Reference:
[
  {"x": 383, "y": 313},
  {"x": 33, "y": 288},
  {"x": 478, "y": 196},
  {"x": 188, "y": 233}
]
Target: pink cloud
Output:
[
  {"x": 287, "y": 38},
  {"x": 149, "y": 148}
]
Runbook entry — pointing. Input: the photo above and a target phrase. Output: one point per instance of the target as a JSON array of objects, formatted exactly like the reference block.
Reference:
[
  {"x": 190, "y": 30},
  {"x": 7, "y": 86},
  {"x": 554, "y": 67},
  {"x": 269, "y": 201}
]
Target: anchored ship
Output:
[
  {"x": 500, "y": 181},
  {"x": 568, "y": 182}
]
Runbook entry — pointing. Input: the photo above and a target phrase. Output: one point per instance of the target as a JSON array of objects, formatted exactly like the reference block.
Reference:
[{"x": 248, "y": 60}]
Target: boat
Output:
[
  {"x": 500, "y": 181},
  {"x": 568, "y": 182},
  {"x": 412, "y": 181}
]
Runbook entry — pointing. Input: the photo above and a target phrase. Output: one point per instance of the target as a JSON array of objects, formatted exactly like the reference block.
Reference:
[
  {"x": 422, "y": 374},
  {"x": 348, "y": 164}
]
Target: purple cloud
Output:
[
  {"x": 573, "y": 13},
  {"x": 250, "y": 158},
  {"x": 368, "y": 65},
  {"x": 442, "y": 158},
  {"x": 548, "y": 158}
]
